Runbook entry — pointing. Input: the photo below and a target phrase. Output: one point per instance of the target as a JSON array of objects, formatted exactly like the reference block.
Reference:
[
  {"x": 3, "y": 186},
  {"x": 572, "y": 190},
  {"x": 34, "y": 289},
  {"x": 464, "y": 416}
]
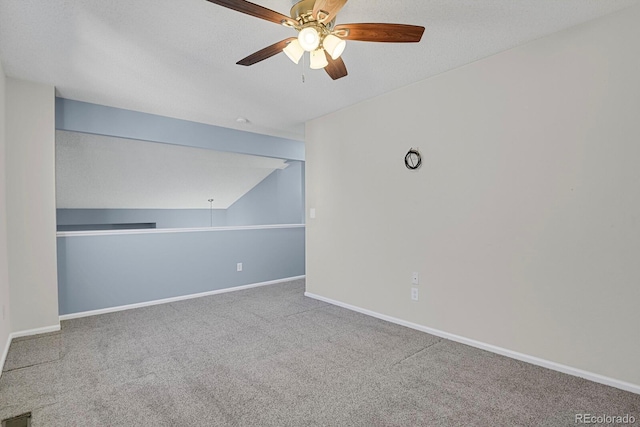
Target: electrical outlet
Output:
[
  {"x": 312, "y": 213},
  {"x": 414, "y": 294},
  {"x": 239, "y": 267},
  {"x": 415, "y": 278}
]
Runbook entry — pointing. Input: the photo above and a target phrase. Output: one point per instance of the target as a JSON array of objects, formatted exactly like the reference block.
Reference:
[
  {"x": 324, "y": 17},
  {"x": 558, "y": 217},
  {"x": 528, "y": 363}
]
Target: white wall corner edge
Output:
[
  {"x": 175, "y": 299},
  {"x": 4, "y": 354},
  {"x": 622, "y": 385}
]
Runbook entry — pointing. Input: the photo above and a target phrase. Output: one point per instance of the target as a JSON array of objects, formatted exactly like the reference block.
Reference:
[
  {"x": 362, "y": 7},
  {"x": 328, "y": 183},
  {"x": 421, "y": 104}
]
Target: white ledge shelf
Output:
[{"x": 174, "y": 230}]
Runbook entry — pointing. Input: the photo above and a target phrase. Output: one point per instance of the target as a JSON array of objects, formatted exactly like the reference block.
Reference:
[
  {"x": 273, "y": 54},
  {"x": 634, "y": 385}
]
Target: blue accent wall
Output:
[
  {"x": 102, "y": 120},
  {"x": 277, "y": 199},
  {"x": 102, "y": 271},
  {"x": 96, "y": 272},
  {"x": 291, "y": 194}
]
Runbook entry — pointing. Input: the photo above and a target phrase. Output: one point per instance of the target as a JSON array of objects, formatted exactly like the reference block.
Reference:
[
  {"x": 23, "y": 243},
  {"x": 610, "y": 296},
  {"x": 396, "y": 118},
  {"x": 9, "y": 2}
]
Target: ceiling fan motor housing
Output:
[{"x": 303, "y": 13}]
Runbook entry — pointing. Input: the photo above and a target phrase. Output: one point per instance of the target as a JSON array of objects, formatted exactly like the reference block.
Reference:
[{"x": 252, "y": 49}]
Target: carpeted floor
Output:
[{"x": 270, "y": 356}]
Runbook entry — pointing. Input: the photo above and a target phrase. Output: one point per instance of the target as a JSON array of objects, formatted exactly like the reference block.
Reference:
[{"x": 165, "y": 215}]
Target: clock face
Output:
[{"x": 413, "y": 160}]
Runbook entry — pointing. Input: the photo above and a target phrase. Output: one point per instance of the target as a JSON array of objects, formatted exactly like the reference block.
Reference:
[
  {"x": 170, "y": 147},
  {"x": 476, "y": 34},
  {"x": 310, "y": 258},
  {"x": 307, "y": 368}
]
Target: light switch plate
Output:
[{"x": 415, "y": 278}]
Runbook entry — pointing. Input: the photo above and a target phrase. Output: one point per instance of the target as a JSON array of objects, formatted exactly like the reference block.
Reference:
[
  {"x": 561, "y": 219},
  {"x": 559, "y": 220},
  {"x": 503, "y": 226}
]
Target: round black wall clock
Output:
[{"x": 413, "y": 159}]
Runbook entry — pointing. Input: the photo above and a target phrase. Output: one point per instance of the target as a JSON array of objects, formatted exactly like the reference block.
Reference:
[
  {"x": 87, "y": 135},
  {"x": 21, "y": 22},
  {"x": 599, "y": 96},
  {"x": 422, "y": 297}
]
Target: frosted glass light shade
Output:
[
  {"x": 309, "y": 39},
  {"x": 294, "y": 51},
  {"x": 318, "y": 59},
  {"x": 334, "y": 46}
]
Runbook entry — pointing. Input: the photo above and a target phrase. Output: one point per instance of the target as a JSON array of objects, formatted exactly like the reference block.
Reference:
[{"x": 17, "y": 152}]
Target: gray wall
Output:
[
  {"x": 5, "y": 304},
  {"x": 98, "y": 272},
  {"x": 31, "y": 204},
  {"x": 524, "y": 220}
]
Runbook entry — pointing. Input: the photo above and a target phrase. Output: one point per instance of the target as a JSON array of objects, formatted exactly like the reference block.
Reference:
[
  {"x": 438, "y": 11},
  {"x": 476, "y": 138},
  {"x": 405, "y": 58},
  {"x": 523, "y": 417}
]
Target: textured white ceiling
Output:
[
  {"x": 95, "y": 171},
  {"x": 177, "y": 57}
]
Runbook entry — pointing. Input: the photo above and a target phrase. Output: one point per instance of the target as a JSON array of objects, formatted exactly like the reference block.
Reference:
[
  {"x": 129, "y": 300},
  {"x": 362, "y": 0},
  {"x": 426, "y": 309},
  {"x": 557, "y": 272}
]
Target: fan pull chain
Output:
[{"x": 303, "y": 57}]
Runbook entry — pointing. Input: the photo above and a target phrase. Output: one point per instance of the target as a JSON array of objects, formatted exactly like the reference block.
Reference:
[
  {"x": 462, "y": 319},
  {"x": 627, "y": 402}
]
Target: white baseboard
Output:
[
  {"x": 174, "y": 299},
  {"x": 35, "y": 331},
  {"x": 633, "y": 388},
  {"x": 19, "y": 334}
]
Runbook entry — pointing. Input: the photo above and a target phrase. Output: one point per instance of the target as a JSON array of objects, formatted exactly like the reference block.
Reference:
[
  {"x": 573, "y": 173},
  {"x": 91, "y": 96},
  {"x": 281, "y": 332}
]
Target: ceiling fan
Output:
[{"x": 317, "y": 33}]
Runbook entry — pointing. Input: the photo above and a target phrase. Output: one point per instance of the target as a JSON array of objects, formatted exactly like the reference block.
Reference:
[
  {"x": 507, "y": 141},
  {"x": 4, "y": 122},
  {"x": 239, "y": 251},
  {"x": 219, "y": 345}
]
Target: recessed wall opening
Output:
[
  {"x": 112, "y": 183},
  {"x": 141, "y": 221}
]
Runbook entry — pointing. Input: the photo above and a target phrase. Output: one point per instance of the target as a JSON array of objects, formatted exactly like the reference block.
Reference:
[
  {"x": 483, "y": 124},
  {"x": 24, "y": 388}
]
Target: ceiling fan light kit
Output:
[
  {"x": 334, "y": 46},
  {"x": 294, "y": 51},
  {"x": 317, "y": 33},
  {"x": 318, "y": 59},
  {"x": 309, "y": 39}
]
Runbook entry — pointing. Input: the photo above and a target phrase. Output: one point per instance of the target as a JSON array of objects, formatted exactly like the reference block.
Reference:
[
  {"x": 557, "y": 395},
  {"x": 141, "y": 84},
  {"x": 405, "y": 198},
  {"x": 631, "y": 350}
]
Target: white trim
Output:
[
  {"x": 173, "y": 230},
  {"x": 623, "y": 385},
  {"x": 37, "y": 331},
  {"x": 174, "y": 299},
  {"x": 5, "y": 352}
]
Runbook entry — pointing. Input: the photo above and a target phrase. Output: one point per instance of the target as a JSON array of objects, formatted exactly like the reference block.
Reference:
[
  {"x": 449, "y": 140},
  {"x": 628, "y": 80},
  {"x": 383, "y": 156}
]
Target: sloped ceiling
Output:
[
  {"x": 95, "y": 172},
  {"x": 177, "y": 58}
]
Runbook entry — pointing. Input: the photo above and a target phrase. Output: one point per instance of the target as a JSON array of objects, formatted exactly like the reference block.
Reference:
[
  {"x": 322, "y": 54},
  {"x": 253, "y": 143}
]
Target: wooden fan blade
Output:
[
  {"x": 328, "y": 9},
  {"x": 265, "y": 53},
  {"x": 386, "y": 33},
  {"x": 336, "y": 68},
  {"x": 255, "y": 10}
]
